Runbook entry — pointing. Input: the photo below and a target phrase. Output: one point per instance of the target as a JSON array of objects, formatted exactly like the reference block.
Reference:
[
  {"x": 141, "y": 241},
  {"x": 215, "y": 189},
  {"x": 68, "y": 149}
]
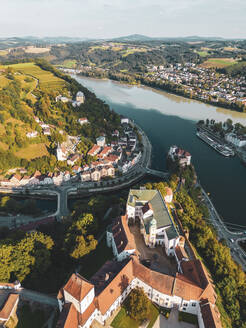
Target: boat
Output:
[{"x": 220, "y": 148}]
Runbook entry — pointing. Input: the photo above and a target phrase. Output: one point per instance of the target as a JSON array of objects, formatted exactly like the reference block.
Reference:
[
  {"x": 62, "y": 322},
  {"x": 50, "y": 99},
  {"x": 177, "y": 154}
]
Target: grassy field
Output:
[
  {"x": 218, "y": 62},
  {"x": 230, "y": 49},
  {"x": 32, "y": 151},
  {"x": 130, "y": 51},
  {"x": 69, "y": 63},
  {"x": 3, "y": 146},
  {"x": 3, "y": 81},
  {"x": 122, "y": 320},
  {"x": 3, "y": 52},
  {"x": 46, "y": 79},
  {"x": 202, "y": 53}
]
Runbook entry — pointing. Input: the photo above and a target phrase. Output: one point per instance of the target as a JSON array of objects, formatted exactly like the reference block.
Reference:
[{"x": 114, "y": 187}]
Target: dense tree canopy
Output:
[{"x": 138, "y": 305}]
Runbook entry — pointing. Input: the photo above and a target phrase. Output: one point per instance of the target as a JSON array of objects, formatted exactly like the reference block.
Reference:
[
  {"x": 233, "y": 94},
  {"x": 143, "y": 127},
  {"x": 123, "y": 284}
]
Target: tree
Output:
[
  {"x": 83, "y": 246},
  {"x": 138, "y": 305}
]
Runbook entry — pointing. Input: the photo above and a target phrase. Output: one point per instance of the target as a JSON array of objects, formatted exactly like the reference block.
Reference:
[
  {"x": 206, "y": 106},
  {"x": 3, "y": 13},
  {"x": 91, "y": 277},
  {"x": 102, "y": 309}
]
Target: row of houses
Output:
[
  {"x": 96, "y": 174},
  {"x": 17, "y": 180}
]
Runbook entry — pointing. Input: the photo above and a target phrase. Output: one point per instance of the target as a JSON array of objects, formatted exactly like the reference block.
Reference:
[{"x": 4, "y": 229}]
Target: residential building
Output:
[
  {"x": 80, "y": 98},
  {"x": 235, "y": 139},
  {"x": 85, "y": 176},
  {"x": 169, "y": 195},
  {"x": 47, "y": 131},
  {"x": 32, "y": 134},
  {"x": 101, "y": 141},
  {"x": 178, "y": 154},
  {"x": 125, "y": 120},
  {"x": 73, "y": 159},
  {"x": 106, "y": 150},
  {"x": 61, "y": 152},
  {"x": 15, "y": 179},
  {"x": 83, "y": 121},
  {"x": 58, "y": 178},
  {"x": 95, "y": 175},
  {"x": 25, "y": 180},
  {"x": 94, "y": 150},
  {"x": 8, "y": 309}
]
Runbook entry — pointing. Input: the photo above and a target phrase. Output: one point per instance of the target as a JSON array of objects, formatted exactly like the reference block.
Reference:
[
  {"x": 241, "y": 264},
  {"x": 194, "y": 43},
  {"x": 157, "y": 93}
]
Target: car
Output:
[{"x": 232, "y": 240}]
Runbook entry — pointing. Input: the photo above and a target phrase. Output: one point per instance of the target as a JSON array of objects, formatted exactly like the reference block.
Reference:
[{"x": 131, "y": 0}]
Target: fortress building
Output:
[{"x": 190, "y": 290}]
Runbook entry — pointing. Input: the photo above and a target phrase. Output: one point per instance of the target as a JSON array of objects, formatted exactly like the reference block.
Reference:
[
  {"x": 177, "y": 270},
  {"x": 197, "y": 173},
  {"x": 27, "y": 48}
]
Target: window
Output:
[
  {"x": 193, "y": 304},
  {"x": 184, "y": 309},
  {"x": 185, "y": 304},
  {"x": 167, "y": 299}
]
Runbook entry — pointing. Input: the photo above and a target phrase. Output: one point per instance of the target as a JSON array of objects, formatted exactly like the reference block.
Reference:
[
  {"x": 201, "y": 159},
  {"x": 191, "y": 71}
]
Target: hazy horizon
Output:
[{"x": 115, "y": 18}]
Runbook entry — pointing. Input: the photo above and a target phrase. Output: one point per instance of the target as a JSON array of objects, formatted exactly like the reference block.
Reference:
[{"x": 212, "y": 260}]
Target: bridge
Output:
[{"x": 159, "y": 174}]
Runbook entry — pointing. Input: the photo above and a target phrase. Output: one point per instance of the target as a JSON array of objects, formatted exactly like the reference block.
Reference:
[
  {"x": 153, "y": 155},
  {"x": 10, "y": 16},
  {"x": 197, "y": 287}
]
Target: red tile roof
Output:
[
  {"x": 159, "y": 281},
  {"x": 116, "y": 287},
  {"x": 123, "y": 238},
  {"x": 8, "y": 306},
  {"x": 94, "y": 150},
  {"x": 210, "y": 315},
  {"x": 78, "y": 287}
]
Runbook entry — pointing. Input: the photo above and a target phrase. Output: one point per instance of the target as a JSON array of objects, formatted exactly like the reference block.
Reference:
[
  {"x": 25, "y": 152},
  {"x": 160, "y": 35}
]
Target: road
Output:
[{"x": 232, "y": 238}]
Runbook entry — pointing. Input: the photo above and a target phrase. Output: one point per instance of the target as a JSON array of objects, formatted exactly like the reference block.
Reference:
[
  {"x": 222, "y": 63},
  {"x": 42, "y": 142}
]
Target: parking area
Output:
[{"x": 159, "y": 261}]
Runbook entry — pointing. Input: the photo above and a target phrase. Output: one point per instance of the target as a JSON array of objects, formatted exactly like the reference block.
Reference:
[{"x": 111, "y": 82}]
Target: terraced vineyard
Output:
[{"x": 46, "y": 79}]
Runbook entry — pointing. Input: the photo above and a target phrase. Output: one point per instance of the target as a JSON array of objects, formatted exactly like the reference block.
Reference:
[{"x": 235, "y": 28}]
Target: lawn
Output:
[
  {"x": 202, "y": 53},
  {"x": 69, "y": 63},
  {"x": 218, "y": 62},
  {"x": 188, "y": 317},
  {"x": 122, "y": 320},
  {"x": 33, "y": 151},
  {"x": 3, "y": 52},
  {"x": 95, "y": 260},
  {"x": 130, "y": 51},
  {"x": 29, "y": 319},
  {"x": 46, "y": 79}
]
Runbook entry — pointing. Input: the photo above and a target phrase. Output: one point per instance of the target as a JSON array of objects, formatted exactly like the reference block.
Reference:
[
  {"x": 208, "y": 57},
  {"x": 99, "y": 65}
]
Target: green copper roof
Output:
[{"x": 163, "y": 219}]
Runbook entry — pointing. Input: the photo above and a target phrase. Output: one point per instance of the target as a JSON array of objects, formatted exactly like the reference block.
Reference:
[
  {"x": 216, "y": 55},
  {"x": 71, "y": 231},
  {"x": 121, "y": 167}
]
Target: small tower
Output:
[
  {"x": 80, "y": 98},
  {"x": 152, "y": 232}
]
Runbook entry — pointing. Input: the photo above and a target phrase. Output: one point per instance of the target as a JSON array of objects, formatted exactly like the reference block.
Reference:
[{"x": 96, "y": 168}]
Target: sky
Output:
[{"x": 113, "y": 18}]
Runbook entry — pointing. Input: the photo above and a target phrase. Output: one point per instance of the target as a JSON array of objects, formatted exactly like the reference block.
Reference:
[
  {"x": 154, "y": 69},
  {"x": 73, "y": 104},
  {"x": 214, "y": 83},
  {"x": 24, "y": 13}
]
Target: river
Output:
[{"x": 169, "y": 119}]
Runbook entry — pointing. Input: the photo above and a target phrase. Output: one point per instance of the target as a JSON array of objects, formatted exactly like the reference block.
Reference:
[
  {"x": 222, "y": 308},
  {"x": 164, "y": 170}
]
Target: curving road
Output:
[{"x": 232, "y": 238}]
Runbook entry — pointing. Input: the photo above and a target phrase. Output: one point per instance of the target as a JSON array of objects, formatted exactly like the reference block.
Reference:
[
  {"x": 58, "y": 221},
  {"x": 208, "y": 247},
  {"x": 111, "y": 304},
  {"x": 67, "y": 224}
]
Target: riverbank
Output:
[{"x": 140, "y": 81}]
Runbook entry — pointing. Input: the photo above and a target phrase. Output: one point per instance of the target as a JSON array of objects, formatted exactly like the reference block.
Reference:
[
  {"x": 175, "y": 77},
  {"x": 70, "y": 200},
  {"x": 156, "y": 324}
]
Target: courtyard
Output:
[
  {"x": 157, "y": 257},
  {"x": 172, "y": 321}
]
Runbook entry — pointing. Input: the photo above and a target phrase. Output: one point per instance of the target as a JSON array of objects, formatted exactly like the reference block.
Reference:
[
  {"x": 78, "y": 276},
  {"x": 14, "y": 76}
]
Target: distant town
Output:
[{"x": 202, "y": 83}]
